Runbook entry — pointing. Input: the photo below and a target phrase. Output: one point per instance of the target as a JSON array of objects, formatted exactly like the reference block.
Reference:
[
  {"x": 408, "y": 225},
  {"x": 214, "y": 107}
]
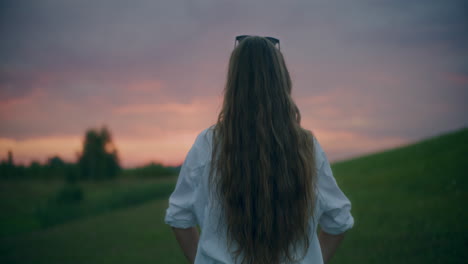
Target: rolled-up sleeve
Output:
[
  {"x": 180, "y": 212},
  {"x": 336, "y": 215}
]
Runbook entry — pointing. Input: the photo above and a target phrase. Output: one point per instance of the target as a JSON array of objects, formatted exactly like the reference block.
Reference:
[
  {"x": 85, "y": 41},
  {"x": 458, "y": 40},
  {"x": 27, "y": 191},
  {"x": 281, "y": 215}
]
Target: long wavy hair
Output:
[{"x": 263, "y": 158}]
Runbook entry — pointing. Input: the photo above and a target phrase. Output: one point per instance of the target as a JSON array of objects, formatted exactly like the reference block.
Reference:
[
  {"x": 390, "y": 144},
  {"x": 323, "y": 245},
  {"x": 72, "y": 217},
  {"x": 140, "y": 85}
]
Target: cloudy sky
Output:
[{"x": 367, "y": 75}]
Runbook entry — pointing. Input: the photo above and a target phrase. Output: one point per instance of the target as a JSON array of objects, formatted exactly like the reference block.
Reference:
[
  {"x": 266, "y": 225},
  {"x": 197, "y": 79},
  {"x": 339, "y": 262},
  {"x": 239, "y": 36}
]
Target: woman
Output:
[{"x": 256, "y": 183}]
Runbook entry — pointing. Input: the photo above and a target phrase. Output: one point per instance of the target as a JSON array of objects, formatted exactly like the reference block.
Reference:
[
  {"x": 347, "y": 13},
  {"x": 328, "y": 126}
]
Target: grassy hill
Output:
[{"x": 408, "y": 205}]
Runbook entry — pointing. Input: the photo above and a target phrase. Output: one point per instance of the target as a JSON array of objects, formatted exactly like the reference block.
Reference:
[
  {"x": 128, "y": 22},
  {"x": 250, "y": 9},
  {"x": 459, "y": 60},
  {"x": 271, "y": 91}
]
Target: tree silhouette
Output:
[
  {"x": 99, "y": 159},
  {"x": 55, "y": 162},
  {"x": 7, "y": 167},
  {"x": 10, "y": 158}
]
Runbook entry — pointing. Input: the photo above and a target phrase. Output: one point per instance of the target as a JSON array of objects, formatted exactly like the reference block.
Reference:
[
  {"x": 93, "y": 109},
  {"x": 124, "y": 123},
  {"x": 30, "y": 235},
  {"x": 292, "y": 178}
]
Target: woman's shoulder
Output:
[
  {"x": 202, "y": 146},
  {"x": 319, "y": 153},
  {"x": 204, "y": 138}
]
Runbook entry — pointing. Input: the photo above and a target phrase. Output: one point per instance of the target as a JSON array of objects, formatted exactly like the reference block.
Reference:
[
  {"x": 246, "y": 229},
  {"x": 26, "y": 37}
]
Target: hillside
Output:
[{"x": 409, "y": 203}]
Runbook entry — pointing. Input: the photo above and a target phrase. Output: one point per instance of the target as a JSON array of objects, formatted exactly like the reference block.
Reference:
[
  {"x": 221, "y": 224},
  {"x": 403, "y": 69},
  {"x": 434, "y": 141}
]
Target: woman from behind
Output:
[{"x": 268, "y": 177}]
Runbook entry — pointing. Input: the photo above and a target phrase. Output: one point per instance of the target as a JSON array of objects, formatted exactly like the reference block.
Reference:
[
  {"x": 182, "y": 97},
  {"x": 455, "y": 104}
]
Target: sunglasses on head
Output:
[{"x": 271, "y": 39}]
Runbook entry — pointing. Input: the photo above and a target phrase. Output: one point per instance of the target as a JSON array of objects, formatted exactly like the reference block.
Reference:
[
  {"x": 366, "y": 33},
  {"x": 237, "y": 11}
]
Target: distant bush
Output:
[
  {"x": 54, "y": 168},
  {"x": 69, "y": 194},
  {"x": 152, "y": 170},
  {"x": 54, "y": 212}
]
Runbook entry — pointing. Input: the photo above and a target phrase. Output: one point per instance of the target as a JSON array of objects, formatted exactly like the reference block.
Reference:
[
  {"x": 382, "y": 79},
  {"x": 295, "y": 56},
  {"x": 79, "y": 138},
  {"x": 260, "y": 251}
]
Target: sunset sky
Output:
[{"x": 367, "y": 75}]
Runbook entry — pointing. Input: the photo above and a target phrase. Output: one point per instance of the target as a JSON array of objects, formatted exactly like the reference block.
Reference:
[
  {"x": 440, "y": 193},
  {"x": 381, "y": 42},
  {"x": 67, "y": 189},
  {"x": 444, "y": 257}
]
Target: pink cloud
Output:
[
  {"x": 197, "y": 106},
  {"x": 458, "y": 78},
  {"x": 144, "y": 85},
  {"x": 16, "y": 107}
]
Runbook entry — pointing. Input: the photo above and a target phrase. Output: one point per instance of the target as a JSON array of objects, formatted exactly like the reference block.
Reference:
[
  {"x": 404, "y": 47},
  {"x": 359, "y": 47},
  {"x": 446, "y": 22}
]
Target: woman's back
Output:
[
  {"x": 250, "y": 181},
  {"x": 191, "y": 204}
]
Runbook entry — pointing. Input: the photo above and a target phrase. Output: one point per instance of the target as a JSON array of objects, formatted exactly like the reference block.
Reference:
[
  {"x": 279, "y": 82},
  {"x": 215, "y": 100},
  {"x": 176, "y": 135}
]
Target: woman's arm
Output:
[
  {"x": 329, "y": 243},
  {"x": 188, "y": 241}
]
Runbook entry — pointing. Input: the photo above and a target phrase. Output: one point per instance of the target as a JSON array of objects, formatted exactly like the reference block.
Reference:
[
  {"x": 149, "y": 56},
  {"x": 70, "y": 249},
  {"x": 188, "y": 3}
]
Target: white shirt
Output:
[{"x": 189, "y": 204}]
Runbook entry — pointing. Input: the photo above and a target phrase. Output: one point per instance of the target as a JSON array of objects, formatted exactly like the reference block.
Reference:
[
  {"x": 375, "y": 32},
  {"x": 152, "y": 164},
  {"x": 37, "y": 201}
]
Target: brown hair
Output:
[{"x": 265, "y": 178}]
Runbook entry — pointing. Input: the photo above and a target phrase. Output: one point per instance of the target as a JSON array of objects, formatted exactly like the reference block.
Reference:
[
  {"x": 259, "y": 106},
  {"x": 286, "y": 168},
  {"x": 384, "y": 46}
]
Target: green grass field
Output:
[
  {"x": 28, "y": 205},
  {"x": 408, "y": 205}
]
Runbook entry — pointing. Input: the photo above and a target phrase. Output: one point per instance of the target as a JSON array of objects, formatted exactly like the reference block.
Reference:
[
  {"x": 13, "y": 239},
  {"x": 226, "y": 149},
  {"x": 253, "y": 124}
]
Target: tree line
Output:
[{"x": 98, "y": 160}]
